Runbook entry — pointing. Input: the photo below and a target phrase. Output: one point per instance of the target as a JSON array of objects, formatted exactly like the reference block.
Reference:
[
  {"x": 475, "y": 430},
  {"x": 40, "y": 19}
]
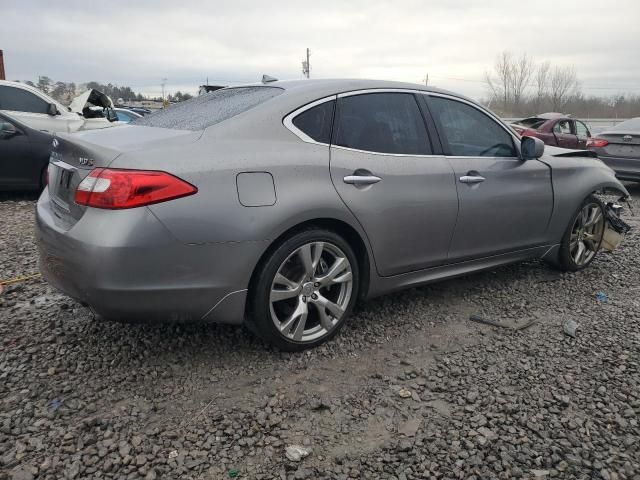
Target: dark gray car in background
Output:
[
  {"x": 619, "y": 147},
  {"x": 280, "y": 205}
]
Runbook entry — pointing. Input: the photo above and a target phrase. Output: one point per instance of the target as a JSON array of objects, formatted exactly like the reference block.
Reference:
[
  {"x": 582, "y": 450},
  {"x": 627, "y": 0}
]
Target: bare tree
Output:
[
  {"x": 541, "y": 83},
  {"x": 521, "y": 71},
  {"x": 499, "y": 81},
  {"x": 563, "y": 83}
]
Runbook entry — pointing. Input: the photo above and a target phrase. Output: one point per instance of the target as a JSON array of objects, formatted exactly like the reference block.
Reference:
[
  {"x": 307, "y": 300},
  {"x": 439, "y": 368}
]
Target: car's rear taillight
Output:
[
  {"x": 116, "y": 189},
  {"x": 527, "y": 132},
  {"x": 597, "y": 142}
]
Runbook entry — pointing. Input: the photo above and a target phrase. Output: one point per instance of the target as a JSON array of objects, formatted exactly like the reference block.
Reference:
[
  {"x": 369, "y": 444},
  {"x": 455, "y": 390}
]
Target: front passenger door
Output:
[{"x": 505, "y": 202}]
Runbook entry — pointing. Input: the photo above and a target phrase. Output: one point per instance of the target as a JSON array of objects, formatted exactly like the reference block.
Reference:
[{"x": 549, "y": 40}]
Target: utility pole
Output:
[
  {"x": 426, "y": 80},
  {"x": 162, "y": 84},
  {"x": 2, "y": 75},
  {"x": 306, "y": 66}
]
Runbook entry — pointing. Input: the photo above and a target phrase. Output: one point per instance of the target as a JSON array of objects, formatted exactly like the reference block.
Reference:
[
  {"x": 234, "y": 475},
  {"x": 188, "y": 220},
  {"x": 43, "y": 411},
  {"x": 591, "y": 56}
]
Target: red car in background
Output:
[{"x": 555, "y": 129}]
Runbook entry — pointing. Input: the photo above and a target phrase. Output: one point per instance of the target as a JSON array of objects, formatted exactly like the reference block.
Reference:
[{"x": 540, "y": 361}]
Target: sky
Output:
[{"x": 138, "y": 43}]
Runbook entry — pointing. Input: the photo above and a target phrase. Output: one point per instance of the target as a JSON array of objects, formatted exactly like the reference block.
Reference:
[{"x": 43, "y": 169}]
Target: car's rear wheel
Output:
[
  {"x": 304, "y": 290},
  {"x": 583, "y": 237}
]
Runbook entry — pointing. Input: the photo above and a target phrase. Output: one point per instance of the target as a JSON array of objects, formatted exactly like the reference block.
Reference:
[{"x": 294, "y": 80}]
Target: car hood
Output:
[{"x": 90, "y": 98}]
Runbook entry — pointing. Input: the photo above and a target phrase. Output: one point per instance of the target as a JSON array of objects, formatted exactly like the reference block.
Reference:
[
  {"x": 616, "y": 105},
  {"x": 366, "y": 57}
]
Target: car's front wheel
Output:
[
  {"x": 583, "y": 237},
  {"x": 304, "y": 290}
]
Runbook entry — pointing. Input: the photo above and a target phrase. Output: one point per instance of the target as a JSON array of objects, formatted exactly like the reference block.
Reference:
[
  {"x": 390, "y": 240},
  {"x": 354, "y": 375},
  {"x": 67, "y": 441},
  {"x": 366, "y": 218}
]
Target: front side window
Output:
[
  {"x": 382, "y": 123},
  {"x": 582, "y": 130},
  {"x": 468, "y": 132},
  {"x": 19, "y": 100},
  {"x": 316, "y": 121}
]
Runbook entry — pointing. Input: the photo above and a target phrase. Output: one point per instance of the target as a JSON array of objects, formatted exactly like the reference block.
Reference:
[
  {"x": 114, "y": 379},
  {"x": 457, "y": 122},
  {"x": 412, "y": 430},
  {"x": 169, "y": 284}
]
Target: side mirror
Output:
[
  {"x": 52, "y": 109},
  {"x": 7, "y": 130},
  {"x": 531, "y": 148}
]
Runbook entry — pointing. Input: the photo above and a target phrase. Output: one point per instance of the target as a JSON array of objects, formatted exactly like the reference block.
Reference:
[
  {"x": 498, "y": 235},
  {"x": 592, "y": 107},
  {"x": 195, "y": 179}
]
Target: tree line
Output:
[
  {"x": 65, "y": 91},
  {"x": 517, "y": 86}
]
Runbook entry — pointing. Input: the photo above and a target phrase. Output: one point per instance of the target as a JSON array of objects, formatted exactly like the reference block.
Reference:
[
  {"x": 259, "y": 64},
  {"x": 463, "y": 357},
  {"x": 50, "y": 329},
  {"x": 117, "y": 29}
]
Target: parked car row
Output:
[
  {"x": 618, "y": 146},
  {"x": 28, "y": 120}
]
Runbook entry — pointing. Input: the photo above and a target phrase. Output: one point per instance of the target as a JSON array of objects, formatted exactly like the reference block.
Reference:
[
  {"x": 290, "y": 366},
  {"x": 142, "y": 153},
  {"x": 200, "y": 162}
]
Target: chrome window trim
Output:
[
  {"x": 288, "y": 120},
  {"x": 386, "y": 154}
]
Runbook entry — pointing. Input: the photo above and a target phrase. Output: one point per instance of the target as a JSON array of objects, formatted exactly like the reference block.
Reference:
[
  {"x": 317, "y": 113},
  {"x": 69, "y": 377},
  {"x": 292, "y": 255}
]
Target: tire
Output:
[
  {"x": 304, "y": 290},
  {"x": 583, "y": 229}
]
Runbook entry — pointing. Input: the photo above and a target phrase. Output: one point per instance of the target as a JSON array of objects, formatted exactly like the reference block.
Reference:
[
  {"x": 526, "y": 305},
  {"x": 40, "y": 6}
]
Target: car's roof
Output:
[{"x": 318, "y": 87}]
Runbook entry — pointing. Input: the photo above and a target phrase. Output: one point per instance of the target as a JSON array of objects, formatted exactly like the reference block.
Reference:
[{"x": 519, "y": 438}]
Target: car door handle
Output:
[
  {"x": 472, "y": 179},
  {"x": 361, "y": 179}
]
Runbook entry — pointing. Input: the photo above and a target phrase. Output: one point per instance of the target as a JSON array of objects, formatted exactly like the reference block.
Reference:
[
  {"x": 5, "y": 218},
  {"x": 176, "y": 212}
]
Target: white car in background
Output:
[{"x": 41, "y": 112}]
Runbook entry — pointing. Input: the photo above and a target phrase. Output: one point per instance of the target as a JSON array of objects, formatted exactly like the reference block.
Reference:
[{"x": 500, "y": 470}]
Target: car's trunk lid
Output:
[
  {"x": 74, "y": 156},
  {"x": 621, "y": 144}
]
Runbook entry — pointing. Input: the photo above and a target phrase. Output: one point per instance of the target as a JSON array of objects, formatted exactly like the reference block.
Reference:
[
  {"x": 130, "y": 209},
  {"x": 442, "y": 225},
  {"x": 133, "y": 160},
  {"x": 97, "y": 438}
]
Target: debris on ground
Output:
[
  {"x": 570, "y": 328},
  {"x": 508, "y": 324},
  {"x": 404, "y": 393},
  {"x": 295, "y": 453},
  {"x": 602, "y": 297}
]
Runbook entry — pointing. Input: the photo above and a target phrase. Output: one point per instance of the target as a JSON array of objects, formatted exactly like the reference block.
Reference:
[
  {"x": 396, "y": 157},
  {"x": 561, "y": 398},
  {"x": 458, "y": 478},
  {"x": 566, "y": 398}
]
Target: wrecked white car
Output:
[{"x": 41, "y": 112}]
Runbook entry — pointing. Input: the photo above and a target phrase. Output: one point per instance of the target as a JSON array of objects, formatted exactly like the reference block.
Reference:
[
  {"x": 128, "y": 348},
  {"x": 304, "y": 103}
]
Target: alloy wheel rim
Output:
[
  {"x": 311, "y": 291},
  {"x": 586, "y": 234}
]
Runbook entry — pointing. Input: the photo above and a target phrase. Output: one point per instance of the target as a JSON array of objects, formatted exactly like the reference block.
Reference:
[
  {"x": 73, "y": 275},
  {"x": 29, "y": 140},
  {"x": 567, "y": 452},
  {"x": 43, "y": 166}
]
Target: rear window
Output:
[
  {"x": 532, "y": 122},
  {"x": 632, "y": 125},
  {"x": 208, "y": 109}
]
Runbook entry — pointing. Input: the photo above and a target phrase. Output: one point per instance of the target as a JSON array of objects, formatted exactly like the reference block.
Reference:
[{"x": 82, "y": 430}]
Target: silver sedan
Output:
[{"x": 281, "y": 204}]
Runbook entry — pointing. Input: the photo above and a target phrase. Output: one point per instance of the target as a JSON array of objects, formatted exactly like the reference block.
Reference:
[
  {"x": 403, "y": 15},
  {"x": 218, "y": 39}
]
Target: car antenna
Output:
[{"x": 268, "y": 78}]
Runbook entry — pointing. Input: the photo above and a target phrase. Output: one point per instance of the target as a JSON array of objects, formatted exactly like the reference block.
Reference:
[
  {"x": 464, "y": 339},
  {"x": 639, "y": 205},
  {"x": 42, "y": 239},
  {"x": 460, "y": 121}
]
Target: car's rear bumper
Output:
[
  {"x": 126, "y": 265},
  {"x": 626, "y": 168}
]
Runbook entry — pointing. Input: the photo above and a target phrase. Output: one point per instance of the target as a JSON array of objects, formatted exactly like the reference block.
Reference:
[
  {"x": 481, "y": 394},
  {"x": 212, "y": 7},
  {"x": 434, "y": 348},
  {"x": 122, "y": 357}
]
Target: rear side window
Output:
[
  {"x": 208, "y": 109},
  {"x": 19, "y": 100},
  {"x": 316, "y": 122},
  {"x": 382, "y": 123},
  {"x": 468, "y": 132}
]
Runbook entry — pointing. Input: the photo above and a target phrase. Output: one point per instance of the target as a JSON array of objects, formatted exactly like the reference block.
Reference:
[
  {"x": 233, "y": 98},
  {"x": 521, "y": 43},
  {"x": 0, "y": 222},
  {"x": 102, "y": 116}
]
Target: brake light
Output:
[
  {"x": 597, "y": 142},
  {"x": 527, "y": 132},
  {"x": 116, "y": 189}
]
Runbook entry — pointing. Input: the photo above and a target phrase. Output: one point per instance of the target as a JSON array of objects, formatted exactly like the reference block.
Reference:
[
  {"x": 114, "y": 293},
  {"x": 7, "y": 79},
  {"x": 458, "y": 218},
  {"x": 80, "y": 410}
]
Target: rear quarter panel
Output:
[{"x": 255, "y": 143}]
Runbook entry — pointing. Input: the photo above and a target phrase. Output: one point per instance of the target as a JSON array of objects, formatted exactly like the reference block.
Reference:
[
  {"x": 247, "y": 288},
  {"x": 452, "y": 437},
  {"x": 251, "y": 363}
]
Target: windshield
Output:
[
  {"x": 533, "y": 122},
  {"x": 208, "y": 109}
]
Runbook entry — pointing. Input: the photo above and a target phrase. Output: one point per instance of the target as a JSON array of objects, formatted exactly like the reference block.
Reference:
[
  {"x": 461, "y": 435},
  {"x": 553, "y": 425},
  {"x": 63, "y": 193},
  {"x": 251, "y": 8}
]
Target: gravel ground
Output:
[{"x": 410, "y": 389}]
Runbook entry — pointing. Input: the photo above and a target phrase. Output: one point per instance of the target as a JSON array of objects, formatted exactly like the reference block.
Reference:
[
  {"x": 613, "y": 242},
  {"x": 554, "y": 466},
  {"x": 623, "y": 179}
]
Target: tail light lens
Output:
[
  {"x": 597, "y": 142},
  {"x": 527, "y": 132},
  {"x": 117, "y": 189}
]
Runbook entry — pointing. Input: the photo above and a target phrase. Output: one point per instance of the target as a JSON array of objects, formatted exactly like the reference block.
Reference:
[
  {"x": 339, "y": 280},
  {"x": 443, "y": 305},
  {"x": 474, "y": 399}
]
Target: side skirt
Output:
[{"x": 383, "y": 285}]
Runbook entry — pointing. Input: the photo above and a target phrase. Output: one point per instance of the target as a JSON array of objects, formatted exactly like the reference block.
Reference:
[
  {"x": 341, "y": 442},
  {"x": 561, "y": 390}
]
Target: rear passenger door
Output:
[
  {"x": 505, "y": 202},
  {"x": 384, "y": 168}
]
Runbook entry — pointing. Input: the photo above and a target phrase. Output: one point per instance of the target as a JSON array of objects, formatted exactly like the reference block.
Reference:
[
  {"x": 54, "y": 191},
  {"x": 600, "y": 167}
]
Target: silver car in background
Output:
[
  {"x": 281, "y": 204},
  {"x": 619, "y": 147}
]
